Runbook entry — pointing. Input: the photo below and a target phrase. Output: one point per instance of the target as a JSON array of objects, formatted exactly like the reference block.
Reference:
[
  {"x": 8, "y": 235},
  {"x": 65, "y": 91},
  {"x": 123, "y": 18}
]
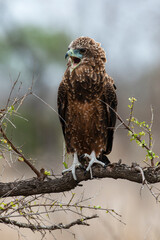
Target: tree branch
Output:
[
  {"x": 39, "y": 175},
  {"x": 50, "y": 228},
  {"x": 65, "y": 183}
]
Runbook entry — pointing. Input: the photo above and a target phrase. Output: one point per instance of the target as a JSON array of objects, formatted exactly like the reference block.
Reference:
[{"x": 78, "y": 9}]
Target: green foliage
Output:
[
  {"x": 5, "y": 144},
  {"x": 140, "y": 136},
  {"x": 11, "y": 109},
  {"x": 25, "y": 132},
  {"x": 20, "y": 159},
  {"x": 65, "y": 164},
  {"x": 48, "y": 173},
  {"x": 97, "y": 207},
  {"x": 132, "y": 101},
  {"x": 42, "y": 45},
  {"x": 32, "y": 51}
]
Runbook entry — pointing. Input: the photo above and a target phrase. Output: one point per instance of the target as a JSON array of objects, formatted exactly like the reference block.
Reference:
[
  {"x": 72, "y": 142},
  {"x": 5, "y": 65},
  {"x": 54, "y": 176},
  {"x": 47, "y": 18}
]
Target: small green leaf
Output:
[
  {"x": 157, "y": 164},
  {"x": 97, "y": 207},
  {"x": 3, "y": 140},
  {"x": 48, "y": 173},
  {"x": 20, "y": 159},
  {"x": 54, "y": 203},
  {"x": 142, "y": 133},
  {"x": 130, "y": 133},
  {"x": 65, "y": 164}
]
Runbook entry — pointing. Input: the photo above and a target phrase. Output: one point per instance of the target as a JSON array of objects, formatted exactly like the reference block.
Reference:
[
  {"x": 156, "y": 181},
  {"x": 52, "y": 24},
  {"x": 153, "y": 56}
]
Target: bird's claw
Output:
[
  {"x": 75, "y": 164},
  {"x": 93, "y": 160}
]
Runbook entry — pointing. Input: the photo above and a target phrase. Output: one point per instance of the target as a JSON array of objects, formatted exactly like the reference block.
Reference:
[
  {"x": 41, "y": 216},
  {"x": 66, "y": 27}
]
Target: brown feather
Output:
[{"x": 85, "y": 96}]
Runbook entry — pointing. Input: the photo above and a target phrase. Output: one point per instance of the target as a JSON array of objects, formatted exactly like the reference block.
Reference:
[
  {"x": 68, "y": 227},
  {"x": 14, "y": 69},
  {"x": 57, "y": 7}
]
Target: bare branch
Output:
[
  {"x": 33, "y": 227},
  {"x": 66, "y": 182},
  {"x": 12, "y": 89},
  {"x": 39, "y": 175}
]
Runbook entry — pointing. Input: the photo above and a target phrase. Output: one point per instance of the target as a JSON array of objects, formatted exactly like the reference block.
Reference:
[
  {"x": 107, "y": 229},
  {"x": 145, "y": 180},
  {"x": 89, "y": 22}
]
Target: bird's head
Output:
[{"x": 84, "y": 50}]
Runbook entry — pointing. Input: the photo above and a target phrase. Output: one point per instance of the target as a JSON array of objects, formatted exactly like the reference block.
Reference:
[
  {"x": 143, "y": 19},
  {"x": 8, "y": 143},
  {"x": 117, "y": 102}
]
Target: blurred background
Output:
[{"x": 34, "y": 37}]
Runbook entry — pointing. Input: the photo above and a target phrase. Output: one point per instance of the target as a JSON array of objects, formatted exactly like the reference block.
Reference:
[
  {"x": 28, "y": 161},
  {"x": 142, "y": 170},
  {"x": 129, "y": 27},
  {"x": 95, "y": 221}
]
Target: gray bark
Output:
[{"x": 65, "y": 183}]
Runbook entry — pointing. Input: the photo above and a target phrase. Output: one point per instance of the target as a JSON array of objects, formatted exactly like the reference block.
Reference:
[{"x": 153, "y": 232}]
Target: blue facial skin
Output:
[{"x": 73, "y": 53}]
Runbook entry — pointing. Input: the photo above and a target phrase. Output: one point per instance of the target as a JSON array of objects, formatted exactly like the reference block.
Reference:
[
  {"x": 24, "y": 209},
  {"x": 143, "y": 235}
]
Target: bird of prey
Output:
[{"x": 87, "y": 104}]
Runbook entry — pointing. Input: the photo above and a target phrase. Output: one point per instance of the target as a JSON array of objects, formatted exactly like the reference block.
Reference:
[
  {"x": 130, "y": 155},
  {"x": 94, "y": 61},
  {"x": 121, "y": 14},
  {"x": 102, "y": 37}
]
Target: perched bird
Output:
[{"x": 87, "y": 104}]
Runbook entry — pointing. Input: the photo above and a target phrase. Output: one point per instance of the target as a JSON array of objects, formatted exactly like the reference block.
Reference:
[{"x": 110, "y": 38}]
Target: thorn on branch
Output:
[
  {"x": 38, "y": 227},
  {"x": 138, "y": 168},
  {"x": 39, "y": 174}
]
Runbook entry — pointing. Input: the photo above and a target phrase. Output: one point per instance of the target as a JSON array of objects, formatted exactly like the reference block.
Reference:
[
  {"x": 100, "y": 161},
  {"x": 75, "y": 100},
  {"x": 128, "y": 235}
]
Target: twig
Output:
[
  {"x": 129, "y": 129},
  {"x": 14, "y": 84},
  {"x": 39, "y": 175},
  {"x": 138, "y": 168},
  {"x": 151, "y": 191},
  {"x": 50, "y": 228},
  {"x": 131, "y": 113},
  {"x": 35, "y": 95}
]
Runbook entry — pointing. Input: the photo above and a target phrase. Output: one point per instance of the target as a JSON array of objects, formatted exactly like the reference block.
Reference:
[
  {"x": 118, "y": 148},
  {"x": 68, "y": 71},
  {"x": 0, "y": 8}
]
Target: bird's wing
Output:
[
  {"x": 62, "y": 105},
  {"x": 110, "y": 101}
]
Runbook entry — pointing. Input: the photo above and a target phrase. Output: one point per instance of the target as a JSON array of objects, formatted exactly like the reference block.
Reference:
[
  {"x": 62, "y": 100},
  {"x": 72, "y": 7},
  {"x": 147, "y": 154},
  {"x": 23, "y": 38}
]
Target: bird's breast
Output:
[
  {"x": 85, "y": 126},
  {"x": 85, "y": 114}
]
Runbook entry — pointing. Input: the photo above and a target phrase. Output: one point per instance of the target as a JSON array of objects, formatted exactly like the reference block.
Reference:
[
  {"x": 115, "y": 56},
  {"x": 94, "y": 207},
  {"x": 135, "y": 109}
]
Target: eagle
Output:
[{"x": 87, "y": 104}]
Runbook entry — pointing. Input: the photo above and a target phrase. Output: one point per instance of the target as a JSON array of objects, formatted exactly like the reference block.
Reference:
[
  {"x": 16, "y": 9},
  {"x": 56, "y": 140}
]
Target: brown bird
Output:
[{"x": 86, "y": 104}]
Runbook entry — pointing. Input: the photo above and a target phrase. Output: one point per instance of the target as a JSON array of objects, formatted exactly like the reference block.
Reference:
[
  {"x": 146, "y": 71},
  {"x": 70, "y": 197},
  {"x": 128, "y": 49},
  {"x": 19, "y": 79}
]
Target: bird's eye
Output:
[
  {"x": 82, "y": 50},
  {"x": 68, "y": 48}
]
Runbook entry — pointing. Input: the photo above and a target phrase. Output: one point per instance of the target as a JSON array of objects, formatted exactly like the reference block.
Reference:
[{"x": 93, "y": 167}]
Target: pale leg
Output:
[
  {"x": 75, "y": 164},
  {"x": 93, "y": 160}
]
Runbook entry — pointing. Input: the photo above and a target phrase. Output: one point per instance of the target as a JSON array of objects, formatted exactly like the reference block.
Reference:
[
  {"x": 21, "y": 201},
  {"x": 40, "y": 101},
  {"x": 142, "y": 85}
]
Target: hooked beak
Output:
[
  {"x": 73, "y": 53},
  {"x": 75, "y": 57}
]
